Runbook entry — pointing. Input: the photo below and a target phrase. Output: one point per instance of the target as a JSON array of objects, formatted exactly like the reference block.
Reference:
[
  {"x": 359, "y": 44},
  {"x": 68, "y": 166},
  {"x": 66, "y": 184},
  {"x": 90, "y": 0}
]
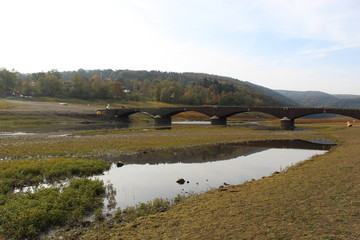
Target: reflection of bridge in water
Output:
[{"x": 218, "y": 114}]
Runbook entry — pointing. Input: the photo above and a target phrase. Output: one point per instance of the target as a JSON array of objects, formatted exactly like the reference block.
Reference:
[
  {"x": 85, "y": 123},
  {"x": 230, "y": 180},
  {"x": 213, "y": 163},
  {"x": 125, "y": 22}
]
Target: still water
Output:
[{"x": 151, "y": 175}]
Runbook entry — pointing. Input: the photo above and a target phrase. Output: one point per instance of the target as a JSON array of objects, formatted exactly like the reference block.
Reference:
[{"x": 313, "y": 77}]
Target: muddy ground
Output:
[{"x": 59, "y": 117}]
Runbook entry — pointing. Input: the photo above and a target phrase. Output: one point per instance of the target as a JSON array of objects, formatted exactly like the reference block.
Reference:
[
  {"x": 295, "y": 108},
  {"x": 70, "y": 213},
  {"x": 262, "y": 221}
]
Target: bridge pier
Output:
[
  {"x": 215, "y": 120},
  {"x": 162, "y": 121},
  {"x": 287, "y": 124}
]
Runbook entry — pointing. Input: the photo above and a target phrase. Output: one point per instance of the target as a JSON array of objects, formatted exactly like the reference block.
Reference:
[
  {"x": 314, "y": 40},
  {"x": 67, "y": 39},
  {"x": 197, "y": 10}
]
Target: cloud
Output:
[
  {"x": 326, "y": 20},
  {"x": 323, "y": 51}
]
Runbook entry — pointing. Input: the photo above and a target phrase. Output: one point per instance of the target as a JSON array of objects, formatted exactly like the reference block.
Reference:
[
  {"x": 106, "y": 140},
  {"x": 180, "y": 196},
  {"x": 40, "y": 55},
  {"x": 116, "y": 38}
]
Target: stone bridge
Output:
[{"x": 218, "y": 114}]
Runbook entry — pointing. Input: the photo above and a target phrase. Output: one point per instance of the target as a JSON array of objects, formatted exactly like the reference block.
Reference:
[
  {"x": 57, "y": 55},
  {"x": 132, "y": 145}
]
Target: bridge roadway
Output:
[{"x": 218, "y": 114}]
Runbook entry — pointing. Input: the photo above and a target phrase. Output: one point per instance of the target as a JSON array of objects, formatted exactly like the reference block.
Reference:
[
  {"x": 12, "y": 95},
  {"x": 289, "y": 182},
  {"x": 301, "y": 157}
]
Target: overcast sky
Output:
[{"x": 280, "y": 44}]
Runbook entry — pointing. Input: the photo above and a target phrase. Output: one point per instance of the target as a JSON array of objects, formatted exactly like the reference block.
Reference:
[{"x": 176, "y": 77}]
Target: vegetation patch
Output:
[
  {"x": 26, "y": 215},
  {"x": 28, "y": 172}
]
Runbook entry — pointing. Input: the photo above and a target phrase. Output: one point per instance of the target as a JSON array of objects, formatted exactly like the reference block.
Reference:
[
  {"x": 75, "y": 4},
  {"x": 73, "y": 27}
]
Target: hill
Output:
[
  {"x": 285, "y": 100},
  {"x": 321, "y": 99},
  {"x": 346, "y": 96}
]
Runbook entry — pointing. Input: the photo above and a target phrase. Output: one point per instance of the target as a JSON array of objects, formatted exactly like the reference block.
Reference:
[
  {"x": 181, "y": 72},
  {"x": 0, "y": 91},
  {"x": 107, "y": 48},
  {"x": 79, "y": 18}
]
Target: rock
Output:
[
  {"x": 181, "y": 181},
  {"x": 120, "y": 164}
]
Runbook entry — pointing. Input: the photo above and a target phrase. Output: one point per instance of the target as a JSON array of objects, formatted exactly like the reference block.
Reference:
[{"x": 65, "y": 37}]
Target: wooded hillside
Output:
[{"x": 177, "y": 88}]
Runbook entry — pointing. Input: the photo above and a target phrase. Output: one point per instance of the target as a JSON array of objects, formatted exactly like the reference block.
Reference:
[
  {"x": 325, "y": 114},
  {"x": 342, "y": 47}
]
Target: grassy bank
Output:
[{"x": 316, "y": 199}]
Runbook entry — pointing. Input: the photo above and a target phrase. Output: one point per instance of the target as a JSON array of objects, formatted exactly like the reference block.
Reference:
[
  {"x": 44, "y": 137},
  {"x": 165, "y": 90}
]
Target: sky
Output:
[{"x": 297, "y": 45}]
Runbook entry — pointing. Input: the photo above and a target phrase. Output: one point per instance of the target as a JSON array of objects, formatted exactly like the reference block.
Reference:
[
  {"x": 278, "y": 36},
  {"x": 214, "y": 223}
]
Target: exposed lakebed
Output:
[{"x": 150, "y": 175}]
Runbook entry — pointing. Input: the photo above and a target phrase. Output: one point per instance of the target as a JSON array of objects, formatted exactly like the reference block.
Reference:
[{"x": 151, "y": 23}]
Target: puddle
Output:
[{"x": 154, "y": 174}]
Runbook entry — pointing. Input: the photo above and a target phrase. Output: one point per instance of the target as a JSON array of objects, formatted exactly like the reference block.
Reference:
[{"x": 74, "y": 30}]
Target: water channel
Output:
[{"x": 151, "y": 175}]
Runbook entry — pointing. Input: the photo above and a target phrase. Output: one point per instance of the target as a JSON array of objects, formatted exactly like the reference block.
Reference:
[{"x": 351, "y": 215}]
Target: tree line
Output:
[{"x": 180, "y": 88}]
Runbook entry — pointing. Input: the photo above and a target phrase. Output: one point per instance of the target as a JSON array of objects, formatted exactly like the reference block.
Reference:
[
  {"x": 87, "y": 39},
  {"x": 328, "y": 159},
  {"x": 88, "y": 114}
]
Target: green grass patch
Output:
[
  {"x": 26, "y": 172},
  {"x": 26, "y": 215}
]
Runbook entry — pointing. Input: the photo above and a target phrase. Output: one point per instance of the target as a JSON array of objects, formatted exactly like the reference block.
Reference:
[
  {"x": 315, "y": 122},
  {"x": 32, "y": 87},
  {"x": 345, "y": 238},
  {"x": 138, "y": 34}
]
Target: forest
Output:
[{"x": 176, "y": 88}]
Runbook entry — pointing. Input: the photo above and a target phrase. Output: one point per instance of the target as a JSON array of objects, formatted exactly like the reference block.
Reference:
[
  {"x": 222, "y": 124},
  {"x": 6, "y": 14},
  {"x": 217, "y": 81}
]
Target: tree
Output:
[
  {"x": 8, "y": 81},
  {"x": 117, "y": 90},
  {"x": 48, "y": 84},
  {"x": 27, "y": 88},
  {"x": 80, "y": 87},
  {"x": 102, "y": 88}
]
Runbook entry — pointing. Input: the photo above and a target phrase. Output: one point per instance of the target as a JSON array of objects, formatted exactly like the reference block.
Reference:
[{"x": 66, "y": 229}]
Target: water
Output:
[{"x": 151, "y": 175}]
